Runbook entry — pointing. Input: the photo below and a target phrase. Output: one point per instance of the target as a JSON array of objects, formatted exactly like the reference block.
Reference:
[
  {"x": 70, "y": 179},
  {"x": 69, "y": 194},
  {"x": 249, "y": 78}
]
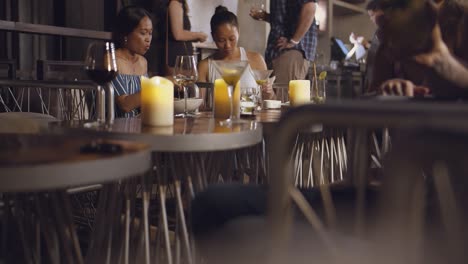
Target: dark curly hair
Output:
[
  {"x": 223, "y": 16},
  {"x": 126, "y": 21}
]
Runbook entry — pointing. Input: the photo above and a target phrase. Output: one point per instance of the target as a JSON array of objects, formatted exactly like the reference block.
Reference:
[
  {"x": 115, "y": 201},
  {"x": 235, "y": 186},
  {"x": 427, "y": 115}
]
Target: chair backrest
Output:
[
  {"x": 400, "y": 224},
  {"x": 8, "y": 69},
  {"x": 281, "y": 91},
  {"x": 61, "y": 70},
  {"x": 63, "y": 100},
  {"x": 208, "y": 95}
]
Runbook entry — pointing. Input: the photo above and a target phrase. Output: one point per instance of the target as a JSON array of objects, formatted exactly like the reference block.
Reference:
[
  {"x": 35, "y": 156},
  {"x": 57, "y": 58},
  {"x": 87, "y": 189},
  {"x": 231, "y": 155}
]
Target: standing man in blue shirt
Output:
[{"x": 293, "y": 37}]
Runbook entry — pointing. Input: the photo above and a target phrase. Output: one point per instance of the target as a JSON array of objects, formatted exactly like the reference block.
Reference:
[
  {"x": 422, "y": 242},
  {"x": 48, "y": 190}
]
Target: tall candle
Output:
[
  {"x": 222, "y": 107},
  {"x": 236, "y": 100},
  {"x": 299, "y": 92},
  {"x": 157, "y": 101}
]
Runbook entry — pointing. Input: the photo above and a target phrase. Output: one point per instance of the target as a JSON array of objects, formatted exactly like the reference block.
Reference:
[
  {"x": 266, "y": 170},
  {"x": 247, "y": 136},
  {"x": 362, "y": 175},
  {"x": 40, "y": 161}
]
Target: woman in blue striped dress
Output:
[{"x": 132, "y": 37}]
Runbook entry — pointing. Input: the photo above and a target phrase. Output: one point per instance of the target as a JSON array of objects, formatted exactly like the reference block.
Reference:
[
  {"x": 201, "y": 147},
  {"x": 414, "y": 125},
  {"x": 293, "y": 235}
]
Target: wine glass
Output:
[
  {"x": 185, "y": 74},
  {"x": 257, "y": 9},
  {"x": 231, "y": 72},
  {"x": 261, "y": 77},
  {"x": 101, "y": 67}
]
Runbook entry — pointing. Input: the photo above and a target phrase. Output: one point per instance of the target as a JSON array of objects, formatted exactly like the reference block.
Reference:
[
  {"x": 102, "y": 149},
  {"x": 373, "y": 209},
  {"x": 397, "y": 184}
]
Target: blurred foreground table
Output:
[{"x": 35, "y": 173}]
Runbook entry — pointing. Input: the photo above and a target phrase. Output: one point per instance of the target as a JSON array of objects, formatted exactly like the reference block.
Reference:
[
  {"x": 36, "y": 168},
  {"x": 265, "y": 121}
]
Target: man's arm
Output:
[
  {"x": 306, "y": 18},
  {"x": 441, "y": 60}
]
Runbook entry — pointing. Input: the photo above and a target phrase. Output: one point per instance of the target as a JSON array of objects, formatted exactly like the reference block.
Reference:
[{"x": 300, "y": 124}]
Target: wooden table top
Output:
[
  {"x": 45, "y": 161},
  {"x": 199, "y": 134}
]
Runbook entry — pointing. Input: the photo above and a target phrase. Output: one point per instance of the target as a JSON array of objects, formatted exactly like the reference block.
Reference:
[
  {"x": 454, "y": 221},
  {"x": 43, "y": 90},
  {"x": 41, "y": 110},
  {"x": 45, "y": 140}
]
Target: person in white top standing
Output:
[{"x": 225, "y": 32}]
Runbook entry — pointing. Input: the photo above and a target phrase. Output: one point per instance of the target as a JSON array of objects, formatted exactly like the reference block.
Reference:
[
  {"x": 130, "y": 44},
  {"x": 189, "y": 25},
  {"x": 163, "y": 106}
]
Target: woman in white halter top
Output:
[{"x": 225, "y": 32}]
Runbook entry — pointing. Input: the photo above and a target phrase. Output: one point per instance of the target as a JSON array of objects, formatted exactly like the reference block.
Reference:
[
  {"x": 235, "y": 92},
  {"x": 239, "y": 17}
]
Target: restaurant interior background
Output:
[
  {"x": 338, "y": 18},
  {"x": 360, "y": 141}
]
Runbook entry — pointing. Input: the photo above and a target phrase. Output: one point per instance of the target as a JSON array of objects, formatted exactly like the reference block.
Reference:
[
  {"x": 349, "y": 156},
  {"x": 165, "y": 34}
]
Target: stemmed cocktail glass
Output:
[
  {"x": 261, "y": 76},
  {"x": 231, "y": 72}
]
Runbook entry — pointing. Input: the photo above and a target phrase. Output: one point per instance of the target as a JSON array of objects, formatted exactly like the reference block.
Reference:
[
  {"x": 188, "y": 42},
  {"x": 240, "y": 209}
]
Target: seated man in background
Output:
[{"x": 407, "y": 29}]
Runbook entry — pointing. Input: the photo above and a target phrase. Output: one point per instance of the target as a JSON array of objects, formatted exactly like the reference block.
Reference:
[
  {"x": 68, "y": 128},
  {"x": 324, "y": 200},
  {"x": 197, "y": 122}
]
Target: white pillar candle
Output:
[
  {"x": 299, "y": 92},
  {"x": 157, "y": 101}
]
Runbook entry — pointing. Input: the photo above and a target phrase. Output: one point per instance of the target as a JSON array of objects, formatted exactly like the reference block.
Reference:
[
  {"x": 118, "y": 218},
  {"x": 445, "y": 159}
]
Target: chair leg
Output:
[
  {"x": 162, "y": 199},
  {"x": 183, "y": 224}
]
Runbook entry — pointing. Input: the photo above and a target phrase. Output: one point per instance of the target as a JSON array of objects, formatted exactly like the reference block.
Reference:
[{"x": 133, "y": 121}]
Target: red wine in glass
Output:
[
  {"x": 100, "y": 76},
  {"x": 101, "y": 67}
]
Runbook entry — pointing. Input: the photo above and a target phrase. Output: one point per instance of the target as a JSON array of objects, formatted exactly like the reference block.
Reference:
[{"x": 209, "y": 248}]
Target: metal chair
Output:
[
  {"x": 400, "y": 215},
  {"x": 61, "y": 70},
  {"x": 65, "y": 101}
]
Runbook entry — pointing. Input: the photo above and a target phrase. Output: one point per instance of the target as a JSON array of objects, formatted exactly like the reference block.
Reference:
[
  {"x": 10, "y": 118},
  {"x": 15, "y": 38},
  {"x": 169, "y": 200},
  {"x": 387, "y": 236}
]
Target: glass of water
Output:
[{"x": 249, "y": 102}]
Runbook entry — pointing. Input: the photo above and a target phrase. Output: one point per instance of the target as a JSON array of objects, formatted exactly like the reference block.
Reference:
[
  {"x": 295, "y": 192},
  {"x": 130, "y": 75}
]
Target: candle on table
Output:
[
  {"x": 236, "y": 100},
  {"x": 299, "y": 92},
  {"x": 157, "y": 101},
  {"x": 158, "y": 130},
  {"x": 221, "y": 106}
]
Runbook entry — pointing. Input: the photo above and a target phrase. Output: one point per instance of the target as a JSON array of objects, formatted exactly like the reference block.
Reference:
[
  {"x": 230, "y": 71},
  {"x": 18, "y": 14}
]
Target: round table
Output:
[
  {"x": 200, "y": 134},
  {"x": 194, "y": 151},
  {"x": 49, "y": 162},
  {"x": 35, "y": 172}
]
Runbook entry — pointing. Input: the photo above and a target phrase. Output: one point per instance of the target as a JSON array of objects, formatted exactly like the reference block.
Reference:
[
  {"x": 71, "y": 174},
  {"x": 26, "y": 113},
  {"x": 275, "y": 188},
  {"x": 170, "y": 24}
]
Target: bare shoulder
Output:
[
  {"x": 142, "y": 65},
  {"x": 203, "y": 70},
  {"x": 256, "y": 60},
  {"x": 252, "y": 55},
  {"x": 142, "y": 60}
]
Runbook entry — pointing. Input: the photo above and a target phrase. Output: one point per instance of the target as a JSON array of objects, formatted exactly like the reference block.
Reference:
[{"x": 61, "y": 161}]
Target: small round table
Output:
[
  {"x": 194, "y": 152},
  {"x": 35, "y": 173}
]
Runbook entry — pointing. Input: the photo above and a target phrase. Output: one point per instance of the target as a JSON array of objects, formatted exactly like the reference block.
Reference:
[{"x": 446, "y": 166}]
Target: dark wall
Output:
[
  {"x": 7, "y": 12},
  {"x": 83, "y": 14},
  {"x": 32, "y": 47},
  {"x": 155, "y": 55},
  {"x": 3, "y": 36}
]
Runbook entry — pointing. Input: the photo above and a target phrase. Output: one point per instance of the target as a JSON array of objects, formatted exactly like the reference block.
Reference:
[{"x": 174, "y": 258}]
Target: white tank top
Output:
[{"x": 247, "y": 79}]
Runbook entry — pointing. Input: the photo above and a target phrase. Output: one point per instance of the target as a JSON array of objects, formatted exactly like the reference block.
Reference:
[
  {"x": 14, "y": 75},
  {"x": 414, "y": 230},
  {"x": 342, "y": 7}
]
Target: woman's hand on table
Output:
[
  {"x": 267, "y": 91},
  {"x": 401, "y": 87}
]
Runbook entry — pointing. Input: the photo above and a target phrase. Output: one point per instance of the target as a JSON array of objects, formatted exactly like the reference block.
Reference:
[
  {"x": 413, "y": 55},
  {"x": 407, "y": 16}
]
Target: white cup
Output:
[{"x": 271, "y": 104}]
